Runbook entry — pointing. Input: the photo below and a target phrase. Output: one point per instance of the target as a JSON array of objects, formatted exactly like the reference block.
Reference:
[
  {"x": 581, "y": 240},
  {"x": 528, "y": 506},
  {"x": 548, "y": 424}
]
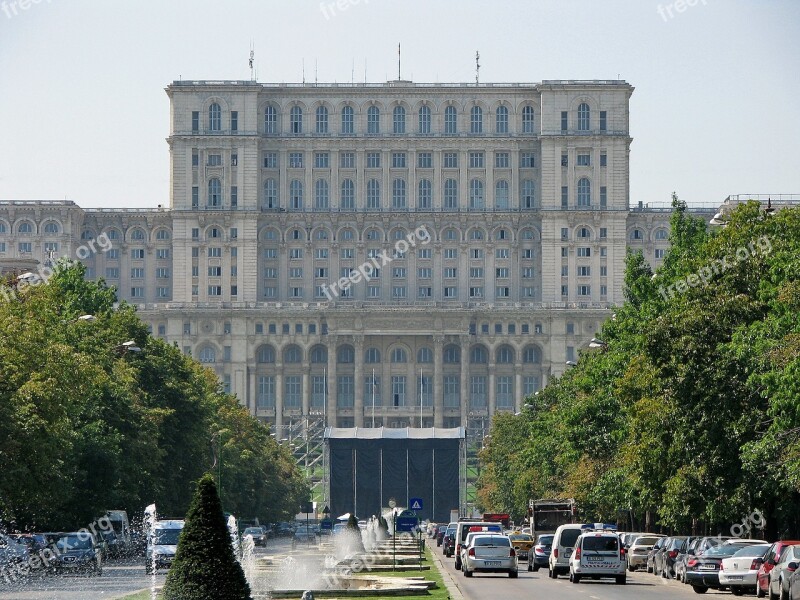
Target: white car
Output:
[
  {"x": 639, "y": 549},
  {"x": 598, "y": 554},
  {"x": 563, "y": 542},
  {"x": 739, "y": 571},
  {"x": 489, "y": 553}
]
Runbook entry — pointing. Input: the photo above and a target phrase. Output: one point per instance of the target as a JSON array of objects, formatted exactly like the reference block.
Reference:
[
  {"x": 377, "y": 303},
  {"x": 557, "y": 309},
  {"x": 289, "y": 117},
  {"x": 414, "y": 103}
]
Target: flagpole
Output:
[
  {"x": 373, "y": 397},
  {"x": 420, "y": 398}
]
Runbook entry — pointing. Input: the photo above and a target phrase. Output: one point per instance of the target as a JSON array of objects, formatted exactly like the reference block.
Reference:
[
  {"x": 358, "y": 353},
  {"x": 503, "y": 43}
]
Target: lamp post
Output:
[{"x": 392, "y": 505}]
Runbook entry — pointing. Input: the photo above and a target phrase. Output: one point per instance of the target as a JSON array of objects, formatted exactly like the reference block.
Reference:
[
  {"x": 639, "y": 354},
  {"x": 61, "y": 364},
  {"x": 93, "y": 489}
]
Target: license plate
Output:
[
  {"x": 735, "y": 577},
  {"x": 595, "y": 558},
  {"x": 491, "y": 563},
  {"x": 707, "y": 568}
]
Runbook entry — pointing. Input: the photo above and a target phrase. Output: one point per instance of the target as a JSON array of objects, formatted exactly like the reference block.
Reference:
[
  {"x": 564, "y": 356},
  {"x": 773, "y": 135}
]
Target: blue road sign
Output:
[
  {"x": 415, "y": 504},
  {"x": 406, "y": 523}
]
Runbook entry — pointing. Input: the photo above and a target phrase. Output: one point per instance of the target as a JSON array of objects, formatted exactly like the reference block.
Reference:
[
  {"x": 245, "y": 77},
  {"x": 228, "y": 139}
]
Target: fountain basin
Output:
[{"x": 364, "y": 586}]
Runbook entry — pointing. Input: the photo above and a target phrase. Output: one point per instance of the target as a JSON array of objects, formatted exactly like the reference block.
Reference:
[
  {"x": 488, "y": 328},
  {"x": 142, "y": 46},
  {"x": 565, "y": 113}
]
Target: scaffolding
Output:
[{"x": 305, "y": 438}]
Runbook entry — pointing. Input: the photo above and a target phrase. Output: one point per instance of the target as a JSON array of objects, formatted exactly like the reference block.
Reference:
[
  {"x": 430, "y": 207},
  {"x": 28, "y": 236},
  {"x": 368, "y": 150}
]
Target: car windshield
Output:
[
  {"x": 74, "y": 542},
  {"x": 601, "y": 543},
  {"x": 521, "y": 537},
  {"x": 751, "y": 551},
  {"x": 450, "y": 531},
  {"x": 645, "y": 541},
  {"x": 491, "y": 540},
  {"x": 726, "y": 550},
  {"x": 545, "y": 540},
  {"x": 253, "y": 531},
  {"x": 166, "y": 537}
]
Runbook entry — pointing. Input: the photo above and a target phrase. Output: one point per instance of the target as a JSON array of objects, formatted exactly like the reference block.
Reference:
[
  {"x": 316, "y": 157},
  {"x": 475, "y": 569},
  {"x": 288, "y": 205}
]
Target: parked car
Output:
[
  {"x": 652, "y": 554},
  {"x": 638, "y": 550},
  {"x": 563, "y": 542},
  {"x": 305, "y": 534},
  {"x": 780, "y": 575},
  {"x": 489, "y": 553},
  {"x": 794, "y": 585},
  {"x": 78, "y": 552},
  {"x": 739, "y": 571},
  {"x": 284, "y": 530},
  {"x": 258, "y": 534},
  {"x": 598, "y": 554},
  {"x": 665, "y": 560},
  {"x": 523, "y": 544},
  {"x": 628, "y": 538},
  {"x": 702, "y": 570},
  {"x": 449, "y": 539},
  {"x": 440, "y": 531},
  {"x": 683, "y": 555},
  {"x": 12, "y": 551},
  {"x": 162, "y": 543},
  {"x": 771, "y": 558},
  {"x": 539, "y": 556}
]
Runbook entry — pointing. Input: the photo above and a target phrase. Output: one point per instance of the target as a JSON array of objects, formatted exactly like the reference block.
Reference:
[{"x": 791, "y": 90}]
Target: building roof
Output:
[{"x": 415, "y": 433}]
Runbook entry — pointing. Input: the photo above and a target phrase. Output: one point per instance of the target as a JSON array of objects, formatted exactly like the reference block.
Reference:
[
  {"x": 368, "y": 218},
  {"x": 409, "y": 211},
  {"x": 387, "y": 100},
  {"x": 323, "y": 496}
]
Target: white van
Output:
[
  {"x": 162, "y": 542},
  {"x": 563, "y": 543},
  {"x": 464, "y": 528},
  {"x": 598, "y": 554}
]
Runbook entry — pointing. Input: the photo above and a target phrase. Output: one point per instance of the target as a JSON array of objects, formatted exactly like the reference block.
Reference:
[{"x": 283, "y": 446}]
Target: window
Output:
[
  {"x": 584, "y": 252},
  {"x": 603, "y": 232},
  {"x": 450, "y": 273},
  {"x": 477, "y": 391},
  {"x": 564, "y": 160},
  {"x": 270, "y": 120},
  {"x": 528, "y": 273},
  {"x": 399, "y": 194},
  {"x": 564, "y": 197},
  {"x": 399, "y": 356},
  {"x": 584, "y": 233},
  {"x": 504, "y": 394},
  {"x": 51, "y": 228},
  {"x": 347, "y": 198},
  {"x": 296, "y": 120},
  {"x": 322, "y": 120},
  {"x": 399, "y": 292},
  {"x": 476, "y": 160},
  {"x": 424, "y": 120},
  {"x": 321, "y": 160},
  {"x": 660, "y": 253},
  {"x": 347, "y": 160},
  {"x": 424, "y": 254},
  {"x": 398, "y": 390},
  {"x": 501, "y": 272},
  {"x": 450, "y": 120},
  {"x": 214, "y": 117},
  {"x": 424, "y": 194},
  {"x": 475, "y": 254},
  {"x": 584, "y": 290},
  {"x": 347, "y": 120},
  {"x": 603, "y": 251},
  {"x": 398, "y": 160},
  {"x": 527, "y": 160},
  {"x": 424, "y": 160},
  {"x": 501, "y": 120},
  {"x": 584, "y": 192},
  {"x": 476, "y": 292},
  {"x": 583, "y": 117},
  {"x": 501, "y": 200},
  {"x": 476, "y": 272},
  {"x": 296, "y": 160},
  {"x": 234, "y": 120},
  {"x": 373, "y": 160},
  {"x": 451, "y": 194},
  {"x": 603, "y": 159},
  {"x": 584, "y": 271},
  {"x": 195, "y": 121},
  {"x": 112, "y": 273},
  {"x": 321, "y": 201},
  {"x": 565, "y": 270},
  {"x": 136, "y": 254},
  {"x": 207, "y": 355},
  {"x": 528, "y": 194},
  {"x": 501, "y": 160},
  {"x": 234, "y": 196},
  {"x": 296, "y": 194},
  {"x": 476, "y": 120},
  {"x": 451, "y": 293},
  {"x": 528, "y": 120},
  {"x": 162, "y": 273},
  {"x": 195, "y": 196},
  {"x": 296, "y": 272},
  {"x": 450, "y": 160},
  {"x": 346, "y": 253},
  {"x": 603, "y": 196},
  {"x": 452, "y": 392},
  {"x": 604, "y": 271},
  {"x": 271, "y": 193},
  {"x": 564, "y": 233},
  {"x": 476, "y": 194},
  {"x": 296, "y": 254},
  {"x": 373, "y": 120},
  {"x": 399, "y": 120},
  {"x": 584, "y": 160},
  {"x": 214, "y": 192},
  {"x": 215, "y": 290},
  {"x": 399, "y": 272},
  {"x": 563, "y": 120},
  {"x": 602, "y": 120}
]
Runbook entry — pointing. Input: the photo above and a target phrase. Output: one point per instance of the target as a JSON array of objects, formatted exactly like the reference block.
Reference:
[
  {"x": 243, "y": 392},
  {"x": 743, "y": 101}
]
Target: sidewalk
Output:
[{"x": 449, "y": 582}]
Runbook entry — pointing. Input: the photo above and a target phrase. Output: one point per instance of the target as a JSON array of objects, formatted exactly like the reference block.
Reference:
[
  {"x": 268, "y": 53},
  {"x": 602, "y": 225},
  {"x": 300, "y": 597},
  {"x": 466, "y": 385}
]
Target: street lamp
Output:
[
  {"x": 129, "y": 346},
  {"x": 571, "y": 363},
  {"x": 393, "y": 505},
  {"x": 595, "y": 343}
]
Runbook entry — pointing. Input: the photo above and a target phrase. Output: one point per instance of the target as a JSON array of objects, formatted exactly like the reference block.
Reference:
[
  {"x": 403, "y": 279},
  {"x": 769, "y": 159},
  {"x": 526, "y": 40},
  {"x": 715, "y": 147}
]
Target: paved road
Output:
[{"x": 640, "y": 586}]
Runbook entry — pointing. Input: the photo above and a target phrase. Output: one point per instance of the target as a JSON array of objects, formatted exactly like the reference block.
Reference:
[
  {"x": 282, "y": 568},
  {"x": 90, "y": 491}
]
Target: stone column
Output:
[
  {"x": 279, "y": 432},
  {"x": 518, "y": 391},
  {"x": 330, "y": 409},
  {"x": 438, "y": 391},
  {"x": 464, "y": 384},
  {"x": 358, "y": 380},
  {"x": 492, "y": 399},
  {"x": 306, "y": 390}
]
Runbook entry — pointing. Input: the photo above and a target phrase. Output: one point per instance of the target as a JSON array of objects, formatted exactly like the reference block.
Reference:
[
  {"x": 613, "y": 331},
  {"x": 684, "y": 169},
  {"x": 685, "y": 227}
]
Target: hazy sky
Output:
[{"x": 84, "y": 113}]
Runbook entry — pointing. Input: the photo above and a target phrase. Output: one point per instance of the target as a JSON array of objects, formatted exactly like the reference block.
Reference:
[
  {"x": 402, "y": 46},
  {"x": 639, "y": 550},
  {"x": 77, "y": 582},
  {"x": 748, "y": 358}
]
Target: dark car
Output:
[
  {"x": 540, "y": 553},
  {"x": 78, "y": 552},
  {"x": 284, "y": 530},
  {"x": 440, "y": 534},
  {"x": 771, "y": 558},
  {"x": 702, "y": 570},
  {"x": 138, "y": 546},
  {"x": 112, "y": 544},
  {"x": 665, "y": 560},
  {"x": 651, "y": 556},
  {"x": 449, "y": 541},
  {"x": 683, "y": 556},
  {"x": 258, "y": 534}
]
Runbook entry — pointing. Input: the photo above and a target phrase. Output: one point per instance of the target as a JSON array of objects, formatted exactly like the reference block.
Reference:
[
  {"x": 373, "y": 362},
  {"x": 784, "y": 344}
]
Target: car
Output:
[
  {"x": 162, "y": 543},
  {"x": 564, "y": 540},
  {"x": 430, "y": 529},
  {"x": 523, "y": 543},
  {"x": 440, "y": 530},
  {"x": 284, "y": 530},
  {"x": 683, "y": 555},
  {"x": 539, "y": 556},
  {"x": 771, "y": 558},
  {"x": 651, "y": 556},
  {"x": 598, "y": 554},
  {"x": 258, "y": 534},
  {"x": 305, "y": 534},
  {"x": 665, "y": 560},
  {"x": 739, "y": 571},
  {"x": 449, "y": 539},
  {"x": 638, "y": 549},
  {"x": 794, "y": 585},
  {"x": 138, "y": 543},
  {"x": 489, "y": 553},
  {"x": 781, "y": 573},
  {"x": 465, "y": 527},
  {"x": 702, "y": 570},
  {"x": 79, "y": 551},
  {"x": 12, "y": 551}
]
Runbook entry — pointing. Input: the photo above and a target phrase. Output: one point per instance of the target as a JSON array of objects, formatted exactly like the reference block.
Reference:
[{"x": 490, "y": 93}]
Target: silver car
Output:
[{"x": 489, "y": 553}]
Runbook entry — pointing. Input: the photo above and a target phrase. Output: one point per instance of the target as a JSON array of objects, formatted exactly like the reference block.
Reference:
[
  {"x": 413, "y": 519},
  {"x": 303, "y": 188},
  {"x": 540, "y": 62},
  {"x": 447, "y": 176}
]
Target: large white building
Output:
[{"x": 280, "y": 190}]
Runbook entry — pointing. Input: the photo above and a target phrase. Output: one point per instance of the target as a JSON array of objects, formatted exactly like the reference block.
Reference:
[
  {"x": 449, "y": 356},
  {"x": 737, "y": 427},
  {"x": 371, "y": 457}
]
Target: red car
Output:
[{"x": 771, "y": 558}]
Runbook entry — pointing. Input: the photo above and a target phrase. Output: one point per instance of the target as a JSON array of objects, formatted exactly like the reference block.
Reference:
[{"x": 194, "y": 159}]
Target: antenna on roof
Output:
[
  {"x": 477, "y": 67},
  {"x": 353, "y": 72},
  {"x": 252, "y": 57},
  {"x": 315, "y": 71},
  {"x": 398, "y": 62},
  {"x": 304, "y": 71}
]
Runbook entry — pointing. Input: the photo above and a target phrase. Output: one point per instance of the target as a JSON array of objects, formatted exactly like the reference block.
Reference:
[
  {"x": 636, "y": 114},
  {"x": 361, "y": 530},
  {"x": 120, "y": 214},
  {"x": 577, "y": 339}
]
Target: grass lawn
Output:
[
  {"x": 139, "y": 596},
  {"x": 439, "y": 593}
]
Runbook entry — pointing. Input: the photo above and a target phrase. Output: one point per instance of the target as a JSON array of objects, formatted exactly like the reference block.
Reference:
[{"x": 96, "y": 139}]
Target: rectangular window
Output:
[
  {"x": 425, "y": 292},
  {"x": 424, "y": 254},
  {"x": 425, "y": 160},
  {"x": 398, "y": 390},
  {"x": 476, "y": 292},
  {"x": 195, "y": 158},
  {"x": 214, "y": 252},
  {"x": 450, "y": 273},
  {"x": 528, "y": 273},
  {"x": 602, "y": 120},
  {"x": 292, "y": 396},
  {"x": 296, "y": 272},
  {"x": 564, "y": 197},
  {"x": 564, "y": 160},
  {"x": 451, "y": 292},
  {"x": 584, "y": 271},
  {"x": 501, "y": 253},
  {"x": 425, "y": 388},
  {"x": 374, "y": 291},
  {"x": 660, "y": 253},
  {"x": 603, "y": 232},
  {"x": 372, "y": 390},
  {"x": 450, "y": 160},
  {"x": 476, "y": 272},
  {"x": 564, "y": 252},
  {"x": 214, "y": 160},
  {"x": 215, "y": 290},
  {"x": 475, "y": 253},
  {"x": 137, "y": 292},
  {"x": 565, "y": 290},
  {"x": 604, "y": 271},
  {"x": 399, "y": 272},
  {"x": 452, "y": 393},
  {"x": 501, "y": 273},
  {"x": 476, "y": 160},
  {"x": 527, "y": 160},
  {"x": 296, "y": 160},
  {"x": 424, "y": 273},
  {"x": 296, "y": 254},
  {"x": 137, "y": 254},
  {"x": 162, "y": 253},
  {"x": 563, "y": 120},
  {"x": 477, "y": 391},
  {"x": 584, "y": 290},
  {"x": 450, "y": 253},
  {"x": 603, "y": 159},
  {"x": 162, "y": 273},
  {"x": 528, "y": 253},
  {"x": 373, "y": 160},
  {"x": 234, "y": 196},
  {"x": 502, "y": 292},
  {"x": 564, "y": 233},
  {"x": 266, "y": 391},
  {"x": 565, "y": 270},
  {"x": 234, "y": 120},
  {"x": 603, "y": 290},
  {"x": 322, "y": 160},
  {"x": 584, "y": 160},
  {"x": 195, "y": 121},
  {"x": 530, "y": 385},
  {"x": 112, "y": 272},
  {"x": 603, "y": 196},
  {"x": 195, "y": 196},
  {"x": 504, "y": 392},
  {"x": 398, "y": 160},
  {"x": 271, "y": 160},
  {"x": 584, "y": 252},
  {"x": 399, "y": 292},
  {"x": 603, "y": 251},
  {"x": 295, "y": 292},
  {"x": 501, "y": 160},
  {"x": 344, "y": 389},
  {"x": 347, "y": 160},
  {"x": 215, "y": 271}
]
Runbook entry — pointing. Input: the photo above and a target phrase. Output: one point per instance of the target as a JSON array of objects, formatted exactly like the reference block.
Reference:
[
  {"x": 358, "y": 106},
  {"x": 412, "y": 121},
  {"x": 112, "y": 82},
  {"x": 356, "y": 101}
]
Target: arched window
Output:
[
  {"x": 502, "y": 234},
  {"x": 372, "y": 356},
  {"x": 162, "y": 234},
  {"x": 583, "y": 117},
  {"x": 504, "y": 355},
  {"x": 399, "y": 119},
  {"x": 450, "y": 120},
  {"x": 207, "y": 355},
  {"x": 137, "y": 235},
  {"x": 399, "y": 233},
  {"x": 501, "y": 199},
  {"x": 214, "y": 117},
  {"x": 296, "y": 120},
  {"x": 321, "y": 235},
  {"x": 347, "y": 199},
  {"x": 373, "y": 119},
  {"x": 637, "y": 234},
  {"x": 347, "y": 120},
  {"x": 271, "y": 234},
  {"x": 51, "y": 227},
  {"x": 373, "y": 235},
  {"x": 662, "y": 234},
  {"x": 476, "y": 234},
  {"x": 265, "y": 355},
  {"x": 584, "y": 233},
  {"x": 345, "y": 355},
  {"x": 399, "y": 194},
  {"x": 424, "y": 355},
  {"x": 292, "y": 355},
  {"x": 319, "y": 355},
  {"x": 322, "y": 119},
  {"x": 531, "y": 355},
  {"x": 528, "y": 194},
  {"x": 296, "y": 194},
  {"x": 528, "y": 120},
  {"x": 297, "y": 234},
  {"x": 476, "y": 120},
  {"x": 501, "y": 120},
  {"x": 399, "y": 356},
  {"x": 214, "y": 192},
  {"x": 373, "y": 194},
  {"x": 347, "y": 234},
  {"x": 321, "y": 201},
  {"x": 451, "y": 235},
  {"x": 270, "y": 120},
  {"x": 271, "y": 194},
  {"x": 425, "y": 194},
  {"x": 451, "y": 193},
  {"x": 584, "y": 192},
  {"x": 476, "y": 194},
  {"x": 25, "y": 228},
  {"x": 478, "y": 355},
  {"x": 215, "y": 233},
  {"x": 112, "y": 234},
  {"x": 86, "y": 234},
  {"x": 424, "y": 120},
  {"x": 452, "y": 355}
]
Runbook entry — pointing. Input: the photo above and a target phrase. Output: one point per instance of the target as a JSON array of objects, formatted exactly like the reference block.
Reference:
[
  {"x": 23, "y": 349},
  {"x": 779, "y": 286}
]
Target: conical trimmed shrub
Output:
[{"x": 205, "y": 566}]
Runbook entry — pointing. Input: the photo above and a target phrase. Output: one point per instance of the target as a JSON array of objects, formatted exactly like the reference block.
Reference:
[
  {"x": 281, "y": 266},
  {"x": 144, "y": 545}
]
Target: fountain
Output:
[{"x": 150, "y": 518}]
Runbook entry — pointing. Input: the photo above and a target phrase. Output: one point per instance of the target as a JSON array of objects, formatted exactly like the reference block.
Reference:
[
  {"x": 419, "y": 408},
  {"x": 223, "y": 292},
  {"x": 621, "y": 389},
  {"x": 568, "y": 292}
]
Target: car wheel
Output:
[
  {"x": 530, "y": 567},
  {"x": 535, "y": 568},
  {"x": 458, "y": 565},
  {"x": 759, "y": 592},
  {"x": 784, "y": 595},
  {"x": 649, "y": 568},
  {"x": 467, "y": 573},
  {"x": 631, "y": 568},
  {"x": 737, "y": 591},
  {"x": 551, "y": 573},
  {"x": 699, "y": 589},
  {"x": 771, "y": 595},
  {"x": 513, "y": 574},
  {"x": 574, "y": 578},
  {"x": 622, "y": 580}
]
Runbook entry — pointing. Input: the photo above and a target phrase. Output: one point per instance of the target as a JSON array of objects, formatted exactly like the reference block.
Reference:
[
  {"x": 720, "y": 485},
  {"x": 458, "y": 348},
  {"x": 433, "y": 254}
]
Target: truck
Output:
[
  {"x": 162, "y": 542},
  {"x": 453, "y": 515},
  {"x": 120, "y": 542},
  {"x": 547, "y": 514},
  {"x": 503, "y": 518}
]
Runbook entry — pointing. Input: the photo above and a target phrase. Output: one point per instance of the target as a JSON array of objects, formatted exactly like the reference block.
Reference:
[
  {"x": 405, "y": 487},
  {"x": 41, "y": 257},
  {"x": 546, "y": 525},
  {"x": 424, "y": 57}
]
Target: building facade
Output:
[{"x": 394, "y": 254}]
